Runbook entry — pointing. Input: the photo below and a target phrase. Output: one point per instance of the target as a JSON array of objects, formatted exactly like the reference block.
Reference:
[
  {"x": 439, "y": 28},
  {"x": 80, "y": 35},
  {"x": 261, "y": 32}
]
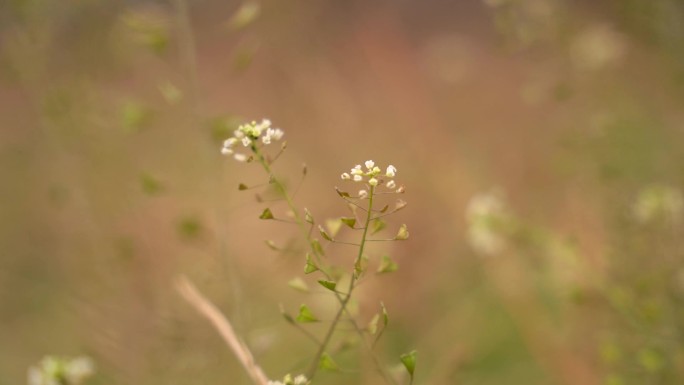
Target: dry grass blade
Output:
[{"x": 214, "y": 315}]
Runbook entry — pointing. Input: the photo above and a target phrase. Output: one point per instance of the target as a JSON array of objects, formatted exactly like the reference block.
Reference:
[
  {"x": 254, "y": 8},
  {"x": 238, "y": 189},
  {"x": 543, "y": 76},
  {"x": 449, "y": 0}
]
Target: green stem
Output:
[{"x": 343, "y": 304}]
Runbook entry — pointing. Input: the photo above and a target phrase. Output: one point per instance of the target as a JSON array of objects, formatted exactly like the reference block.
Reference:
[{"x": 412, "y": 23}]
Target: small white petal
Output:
[
  {"x": 238, "y": 133},
  {"x": 345, "y": 176},
  {"x": 240, "y": 157},
  {"x": 391, "y": 184},
  {"x": 226, "y": 151},
  {"x": 300, "y": 380},
  {"x": 246, "y": 141},
  {"x": 370, "y": 164},
  {"x": 358, "y": 178},
  {"x": 363, "y": 194},
  {"x": 266, "y": 139}
]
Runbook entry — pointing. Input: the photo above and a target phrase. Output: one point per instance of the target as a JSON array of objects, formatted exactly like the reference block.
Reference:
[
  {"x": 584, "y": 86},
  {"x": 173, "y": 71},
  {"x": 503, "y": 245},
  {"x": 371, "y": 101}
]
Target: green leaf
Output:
[
  {"x": 350, "y": 222},
  {"x": 307, "y": 216},
  {"x": 324, "y": 234},
  {"x": 377, "y": 225},
  {"x": 266, "y": 214},
  {"x": 309, "y": 267},
  {"x": 317, "y": 248},
  {"x": 327, "y": 363},
  {"x": 402, "y": 234},
  {"x": 409, "y": 361},
  {"x": 242, "y": 187},
  {"x": 330, "y": 285},
  {"x": 298, "y": 284},
  {"x": 373, "y": 324},
  {"x": 387, "y": 265},
  {"x": 305, "y": 315}
]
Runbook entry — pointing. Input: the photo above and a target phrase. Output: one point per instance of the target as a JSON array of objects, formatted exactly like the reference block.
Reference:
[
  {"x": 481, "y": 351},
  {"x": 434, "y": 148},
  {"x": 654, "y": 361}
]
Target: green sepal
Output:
[
  {"x": 402, "y": 234},
  {"x": 271, "y": 245},
  {"x": 286, "y": 315},
  {"x": 317, "y": 248},
  {"x": 309, "y": 267},
  {"x": 373, "y": 324},
  {"x": 343, "y": 194},
  {"x": 409, "y": 361},
  {"x": 327, "y": 363},
  {"x": 305, "y": 315},
  {"x": 330, "y": 285},
  {"x": 298, "y": 284},
  {"x": 377, "y": 225},
  {"x": 266, "y": 214},
  {"x": 350, "y": 222},
  {"x": 387, "y": 265},
  {"x": 324, "y": 234}
]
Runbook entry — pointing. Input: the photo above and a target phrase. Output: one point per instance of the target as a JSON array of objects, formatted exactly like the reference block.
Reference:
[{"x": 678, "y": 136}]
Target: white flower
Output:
[
  {"x": 300, "y": 380},
  {"x": 391, "y": 171},
  {"x": 240, "y": 157},
  {"x": 226, "y": 151},
  {"x": 363, "y": 194},
  {"x": 345, "y": 176},
  {"x": 357, "y": 170},
  {"x": 370, "y": 164},
  {"x": 79, "y": 369},
  {"x": 246, "y": 141},
  {"x": 238, "y": 133},
  {"x": 373, "y": 182},
  {"x": 358, "y": 178},
  {"x": 266, "y": 139},
  {"x": 277, "y": 134},
  {"x": 391, "y": 184}
]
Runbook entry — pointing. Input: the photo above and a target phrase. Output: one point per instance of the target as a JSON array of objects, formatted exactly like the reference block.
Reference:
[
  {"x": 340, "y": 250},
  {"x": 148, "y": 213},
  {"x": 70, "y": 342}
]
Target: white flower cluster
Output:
[
  {"x": 659, "y": 202},
  {"x": 248, "y": 135},
  {"x": 288, "y": 380},
  {"x": 487, "y": 215},
  {"x": 55, "y": 370},
  {"x": 372, "y": 176}
]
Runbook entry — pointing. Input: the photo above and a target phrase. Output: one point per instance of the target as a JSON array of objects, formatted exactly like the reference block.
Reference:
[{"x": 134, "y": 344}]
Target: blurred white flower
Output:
[
  {"x": 596, "y": 47},
  {"x": 391, "y": 184},
  {"x": 486, "y": 214},
  {"x": 345, "y": 176},
  {"x": 369, "y": 164},
  {"x": 658, "y": 202},
  {"x": 363, "y": 194}
]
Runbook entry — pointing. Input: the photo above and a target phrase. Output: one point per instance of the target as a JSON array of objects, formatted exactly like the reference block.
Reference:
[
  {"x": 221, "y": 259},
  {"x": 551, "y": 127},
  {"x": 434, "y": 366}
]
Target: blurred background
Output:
[{"x": 541, "y": 143}]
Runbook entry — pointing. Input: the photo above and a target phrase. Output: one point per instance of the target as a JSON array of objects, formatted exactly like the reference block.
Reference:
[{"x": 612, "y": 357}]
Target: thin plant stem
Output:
[{"x": 343, "y": 304}]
